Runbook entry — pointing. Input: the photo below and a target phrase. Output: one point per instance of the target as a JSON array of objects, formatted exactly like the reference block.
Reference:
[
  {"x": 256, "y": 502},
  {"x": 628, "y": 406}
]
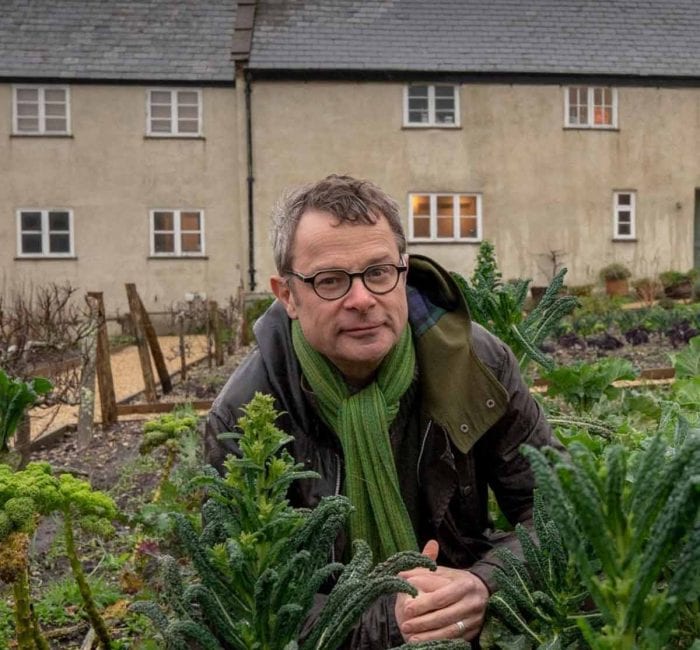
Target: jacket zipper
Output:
[{"x": 422, "y": 449}]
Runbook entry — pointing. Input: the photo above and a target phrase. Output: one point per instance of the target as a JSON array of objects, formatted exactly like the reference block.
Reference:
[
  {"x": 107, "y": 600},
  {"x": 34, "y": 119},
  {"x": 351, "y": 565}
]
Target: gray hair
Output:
[{"x": 348, "y": 199}]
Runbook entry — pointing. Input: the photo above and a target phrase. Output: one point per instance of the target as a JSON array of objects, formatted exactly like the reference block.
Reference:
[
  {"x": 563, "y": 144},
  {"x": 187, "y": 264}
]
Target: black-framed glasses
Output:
[{"x": 331, "y": 284}]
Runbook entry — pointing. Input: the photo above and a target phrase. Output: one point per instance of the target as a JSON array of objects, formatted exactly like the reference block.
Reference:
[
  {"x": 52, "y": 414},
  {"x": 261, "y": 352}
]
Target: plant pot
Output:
[
  {"x": 617, "y": 287},
  {"x": 679, "y": 290}
]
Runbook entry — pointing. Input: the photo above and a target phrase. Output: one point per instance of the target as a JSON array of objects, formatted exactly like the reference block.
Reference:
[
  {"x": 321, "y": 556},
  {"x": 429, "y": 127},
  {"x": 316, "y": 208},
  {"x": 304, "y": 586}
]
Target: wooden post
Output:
[
  {"x": 23, "y": 440},
  {"x": 105, "y": 380},
  {"x": 156, "y": 352},
  {"x": 218, "y": 335},
  {"x": 86, "y": 413},
  {"x": 144, "y": 357},
  {"x": 209, "y": 350},
  {"x": 181, "y": 337}
]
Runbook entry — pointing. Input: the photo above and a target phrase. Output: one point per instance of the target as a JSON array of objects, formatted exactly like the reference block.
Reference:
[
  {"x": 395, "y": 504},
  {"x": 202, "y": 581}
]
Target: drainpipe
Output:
[{"x": 251, "y": 181}]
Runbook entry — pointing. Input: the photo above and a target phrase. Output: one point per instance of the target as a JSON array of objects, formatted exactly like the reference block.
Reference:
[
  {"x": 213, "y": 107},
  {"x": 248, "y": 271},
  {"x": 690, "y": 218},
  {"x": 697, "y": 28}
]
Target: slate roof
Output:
[
  {"x": 178, "y": 40},
  {"x": 597, "y": 37}
]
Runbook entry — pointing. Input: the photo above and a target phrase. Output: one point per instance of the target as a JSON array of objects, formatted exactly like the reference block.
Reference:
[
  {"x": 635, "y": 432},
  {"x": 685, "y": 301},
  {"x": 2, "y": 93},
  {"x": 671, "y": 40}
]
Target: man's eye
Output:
[
  {"x": 328, "y": 280},
  {"x": 377, "y": 272}
]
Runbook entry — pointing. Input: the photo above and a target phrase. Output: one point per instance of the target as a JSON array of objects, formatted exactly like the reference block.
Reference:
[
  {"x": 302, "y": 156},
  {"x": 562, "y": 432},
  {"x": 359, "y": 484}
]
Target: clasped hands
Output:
[{"x": 451, "y": 603}]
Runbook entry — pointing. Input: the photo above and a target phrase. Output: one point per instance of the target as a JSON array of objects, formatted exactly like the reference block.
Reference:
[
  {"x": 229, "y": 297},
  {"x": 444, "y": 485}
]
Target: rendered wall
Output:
[
  {"x": 544, "y": 187},
  {"x": 110, "y": 174}
]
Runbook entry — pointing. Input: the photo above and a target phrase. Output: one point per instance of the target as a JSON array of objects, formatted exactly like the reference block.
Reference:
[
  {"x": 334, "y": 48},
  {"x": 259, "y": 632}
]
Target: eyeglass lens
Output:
[{"x": 379, "y": 279}]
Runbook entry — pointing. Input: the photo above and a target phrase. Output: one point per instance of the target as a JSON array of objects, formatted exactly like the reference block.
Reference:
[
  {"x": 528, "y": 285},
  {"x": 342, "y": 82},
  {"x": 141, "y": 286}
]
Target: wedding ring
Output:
[{"x": 461, "y": 627}]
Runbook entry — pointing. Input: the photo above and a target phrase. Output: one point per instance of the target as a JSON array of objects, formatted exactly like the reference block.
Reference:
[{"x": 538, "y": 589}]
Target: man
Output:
[{"x": 395, "y": 398}]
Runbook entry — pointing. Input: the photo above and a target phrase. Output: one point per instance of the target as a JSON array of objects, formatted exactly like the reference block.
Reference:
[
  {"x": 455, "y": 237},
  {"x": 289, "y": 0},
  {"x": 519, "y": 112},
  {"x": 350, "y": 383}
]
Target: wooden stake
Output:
[
  {"x": 105, "y": 380},
  {"x": 86, "y": 413},
  {"x": 217, "y": 333},
  {"x": 181, "y": 338},
  {"x": 152, "y": 338},
  {"x": 139, "y": 335}
]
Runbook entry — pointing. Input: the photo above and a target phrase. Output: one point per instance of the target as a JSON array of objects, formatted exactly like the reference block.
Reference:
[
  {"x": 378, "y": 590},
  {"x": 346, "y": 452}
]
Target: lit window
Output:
[
  {"x": 590, "y": 107},
  {"x": 174, "y": 113},
  {"x": 431, "y": 105},
  {"x": 41, "y": 110},
  {"x": 624, "y": 214},
  {"x": 445, "y": 217},
  {"x": 44, "y": 233},
  {"x": 177, "y": 233}
]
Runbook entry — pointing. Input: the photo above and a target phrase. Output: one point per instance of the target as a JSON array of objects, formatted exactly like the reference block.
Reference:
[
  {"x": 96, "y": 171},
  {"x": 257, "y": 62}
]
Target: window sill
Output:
[
  {"x": 42, "y": 135},
  {"x": 444, "y": 241},
  {"x": 615, "y": 129},
  {"x": 423, "y": 127},
  {"x": 625, "y": 240},
  {"x": 178, "y": 257},
  {"x": 45, "y": 258},
  {"x": 174, "y": 136}
]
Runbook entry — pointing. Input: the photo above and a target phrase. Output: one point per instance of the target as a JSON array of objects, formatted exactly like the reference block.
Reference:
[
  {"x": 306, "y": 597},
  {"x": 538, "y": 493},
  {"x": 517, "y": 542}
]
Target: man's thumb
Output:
[{"x": 431, "y": 549}]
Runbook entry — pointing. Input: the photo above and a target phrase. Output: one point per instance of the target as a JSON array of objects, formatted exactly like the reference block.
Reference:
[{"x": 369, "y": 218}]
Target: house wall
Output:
[
  {"x": 545, "y": 188},
  {"x": 110, "y": 174}
]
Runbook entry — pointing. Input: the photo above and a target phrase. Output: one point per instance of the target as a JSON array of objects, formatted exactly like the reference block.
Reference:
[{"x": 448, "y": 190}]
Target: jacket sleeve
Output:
[{"x": 508, "y": 472}]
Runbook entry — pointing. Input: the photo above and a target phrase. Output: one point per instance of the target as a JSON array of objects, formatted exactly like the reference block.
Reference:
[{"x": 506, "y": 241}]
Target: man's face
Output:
[{"x": 354, "y": 332}]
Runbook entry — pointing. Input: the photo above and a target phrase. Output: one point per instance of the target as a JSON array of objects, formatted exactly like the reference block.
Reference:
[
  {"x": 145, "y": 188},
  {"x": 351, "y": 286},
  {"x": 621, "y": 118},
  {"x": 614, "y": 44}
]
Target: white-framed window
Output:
[
  {"x": 177, "y": 233},
  {"x": 624, "y": 214},
  {"x": 431, "y": 105},
  {"x": 44, "y": 232},
  {"x": 590, "y": 107},
  {"x": 40, "y": 110},
  {"x": 174, "y": 112},
  {"x": 444, "y": 217}
]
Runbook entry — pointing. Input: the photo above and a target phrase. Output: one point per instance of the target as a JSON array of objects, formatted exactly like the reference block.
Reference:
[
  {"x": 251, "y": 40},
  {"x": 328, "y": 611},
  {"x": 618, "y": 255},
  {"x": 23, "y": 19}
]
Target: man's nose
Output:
[{"x": 359, "y": 296}]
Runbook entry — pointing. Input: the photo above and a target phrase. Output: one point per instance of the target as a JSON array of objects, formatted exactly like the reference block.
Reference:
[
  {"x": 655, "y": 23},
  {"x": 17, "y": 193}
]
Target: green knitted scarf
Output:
[{"x": 362, "y": 422}]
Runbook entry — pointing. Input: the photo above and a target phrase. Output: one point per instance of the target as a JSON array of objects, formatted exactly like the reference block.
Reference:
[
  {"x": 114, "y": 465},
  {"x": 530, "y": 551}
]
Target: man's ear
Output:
[{"x": 280, "y": 287}]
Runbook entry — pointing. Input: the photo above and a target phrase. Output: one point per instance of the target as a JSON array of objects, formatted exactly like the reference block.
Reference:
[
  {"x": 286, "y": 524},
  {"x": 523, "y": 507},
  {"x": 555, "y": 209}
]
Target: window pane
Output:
[
  {"x": 624, "y": 217},
  {"x": 160, "y": 111},
  {"x": 55, "y": 95},
  {"x": 191, "y": 112},
  {"x": 27, "y": 110},
  {"x": 27, "y": 95},
  {"x": 160, "y": 126},
  {"x": 445, "y": 227},
  {"x": 56, "y": 124},
  {"x": 624, "y": 229},
  {"x": 467, "y": 206},
  {"x": 187, "y": 97},
  {"x": 420, "y": 205},
  {"x": 55, "y": 110},
  {"x": 445, "y": 117},
  {"x": 59, "y": 243},
  {"x": 163, "y": 221},
  {"x": 467, "y": 227},
  {"x": 28, "y": 124},
  {"x": 421, "y": 227},
  {"x": 187, "y": 126},
  {"x": 31, "y": 221},
  {"x": 418, "y": 117},
  {"x": 160, "y": 97},
  {"x": 443, "y": 92},
  {"x": 58, "y": 221},
  {"x": 415, "y": 92},
  {"x": 445, "y": 206},
  {"x": 31, "y": 243},
  {"x": 191, "y": 243},
  {"x": 189, "y": 221},
  {"x": 623, "y": 199},
  {"x": 602, "y": 115},
  {"x": 164, "y": 243},
  {"x": 597, "y": 96}
]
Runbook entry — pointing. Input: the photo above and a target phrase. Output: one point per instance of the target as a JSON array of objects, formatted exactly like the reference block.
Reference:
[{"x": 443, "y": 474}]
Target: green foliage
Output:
[
  {"x": 634, "y": 542},
  {"x": 500, "y": 308},
  {"x": 61, "y": 603},
  {"x": 170, "y": 426},
  {"x": 582, "y": 385},
  {"x": 540, "y": 598},
  {"x": 253, "y": 311},
  {"x": 259, "y": 562},
  {"x": 687, "y": 362},
  {"x": 615, "y": 271},
  {"x": 16, "y": 396}
]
